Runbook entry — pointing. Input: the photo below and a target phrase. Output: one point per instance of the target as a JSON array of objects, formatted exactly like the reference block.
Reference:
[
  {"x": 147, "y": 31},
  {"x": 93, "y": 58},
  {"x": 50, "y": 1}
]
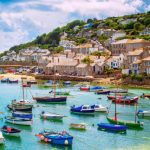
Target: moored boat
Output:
[
  {"x": 95, "y": 88},
  {"x": 52, "y": 100},
  {"x": 104, "y": 92},
  {"x": 18, "y": 121},
  {"x": 99, "y": 108},
  {"x": 62, "y": 93},
  {"x": 126, "y": 101},
  {"x": 66, "y": 83},
  {"x": 24, "y": 115},
  {"x": 4, "y": 80},
  {"x": 1, "y": 138},
  {"x": 119, "y": 91},
  {"x": 143, "y": 113},
  {"x": 146, "y": 96},
  {"x": 12, "y": 81},
  {"x": 63, "y": 138},
  {"x": 10, "y": 131},
  {"x": 85, "y": 88},
  {"x": 129, "y": 124},
  {"x": 83, "y": 109},
  {"x": 20, "y": 108},
  {"x": 51, "y": 116},
  {"x": 110, "y": 97},
  {"x": 32, "y": 82},
  {"x": 79, "y": 126},
  {"x": 112, "y": 127}
]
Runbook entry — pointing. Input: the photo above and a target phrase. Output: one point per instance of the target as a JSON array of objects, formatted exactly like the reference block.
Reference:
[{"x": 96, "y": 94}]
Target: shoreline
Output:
[{"x": 109, "y": 81}]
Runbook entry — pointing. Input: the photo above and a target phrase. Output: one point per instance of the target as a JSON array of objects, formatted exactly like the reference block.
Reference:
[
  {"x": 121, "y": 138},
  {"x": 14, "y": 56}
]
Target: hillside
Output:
[{"x": 135, "y": 24}]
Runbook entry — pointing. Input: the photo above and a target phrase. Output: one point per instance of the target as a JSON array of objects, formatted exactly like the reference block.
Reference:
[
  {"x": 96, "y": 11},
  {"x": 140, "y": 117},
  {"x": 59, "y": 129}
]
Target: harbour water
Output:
[{"x": 91, "y": 139}]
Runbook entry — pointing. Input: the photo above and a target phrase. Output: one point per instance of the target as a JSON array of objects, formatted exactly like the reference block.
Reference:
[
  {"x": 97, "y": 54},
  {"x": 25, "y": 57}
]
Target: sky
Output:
[{"x": 23, "y": 20}]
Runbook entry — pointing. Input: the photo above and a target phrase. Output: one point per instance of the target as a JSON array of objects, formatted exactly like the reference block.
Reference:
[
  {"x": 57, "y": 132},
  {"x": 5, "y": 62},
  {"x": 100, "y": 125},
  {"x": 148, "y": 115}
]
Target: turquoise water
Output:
[{"x": 91, "y": 139}]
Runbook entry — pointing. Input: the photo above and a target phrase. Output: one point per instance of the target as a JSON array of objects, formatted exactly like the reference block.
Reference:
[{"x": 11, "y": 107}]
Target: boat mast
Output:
[
  {"x": 22, "y": 89},
  {"x": 115, "y": 108},
  {"x": 135, "y": 111},
  {"x": 54, "y": 89}
]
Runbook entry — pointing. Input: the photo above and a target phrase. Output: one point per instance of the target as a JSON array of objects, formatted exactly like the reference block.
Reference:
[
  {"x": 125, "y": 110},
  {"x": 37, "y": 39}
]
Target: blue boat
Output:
[
  {"x": 5, "y": 80},
  {"x": 83, "y": 109},
  {"x": 104, "y": 92},
  {"x": 23, "y": 115},
  {"x": 12, "y": 81},
  {"x": 66, "y": 82},
  {"x": 96, "y": 88},
  {"x": 55, "y": 138},
  {"x": 112, "y": 127}
]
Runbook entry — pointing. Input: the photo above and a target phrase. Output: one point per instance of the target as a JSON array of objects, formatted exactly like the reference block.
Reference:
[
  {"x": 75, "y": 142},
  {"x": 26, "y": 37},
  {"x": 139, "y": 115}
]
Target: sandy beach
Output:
[{"x": 15, "y": 76}]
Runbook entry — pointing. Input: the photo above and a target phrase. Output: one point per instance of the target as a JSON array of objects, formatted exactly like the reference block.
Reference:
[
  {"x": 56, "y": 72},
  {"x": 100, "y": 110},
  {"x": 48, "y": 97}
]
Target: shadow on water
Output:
[
  {"x": 2, "y": 147},
  {"x": 56, "y": 147},
  {"x": 113, "y": 132},
  {"x": 13, "y": 138}
]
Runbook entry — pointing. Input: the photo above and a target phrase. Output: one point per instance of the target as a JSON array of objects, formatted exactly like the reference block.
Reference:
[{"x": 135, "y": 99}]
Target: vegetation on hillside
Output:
[{"x": 51, "y": 40}]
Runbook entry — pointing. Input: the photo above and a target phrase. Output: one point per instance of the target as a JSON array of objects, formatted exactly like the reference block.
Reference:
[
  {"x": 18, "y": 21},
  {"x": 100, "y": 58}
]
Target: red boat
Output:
[
  {"x": 85, "y": 88},
  {"x": 110, "y": 97},
  {"x": 26, "y": 85},
  {"x": 126, "y": 101}
]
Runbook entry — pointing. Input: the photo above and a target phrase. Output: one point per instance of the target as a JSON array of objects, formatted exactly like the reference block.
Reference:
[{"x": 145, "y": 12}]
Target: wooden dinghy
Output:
[{"x": 80, "y": 126}]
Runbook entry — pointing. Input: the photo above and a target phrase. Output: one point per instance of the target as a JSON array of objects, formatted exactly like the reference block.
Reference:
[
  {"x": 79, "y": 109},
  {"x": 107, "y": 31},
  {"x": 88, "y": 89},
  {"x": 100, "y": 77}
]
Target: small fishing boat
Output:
[
  {"x": 104, "y": 92},
  {"x": 63, "y": 138},
  {"x": 23, "y": 108},
  {"x": 62, "y": 93},
  {"x": 32, "y": 82},
  {"x": 112, "y": 127},
  {"x": 80, "y": 126},
  {"x": 65, "y": 83},
  {"x": 99, "y": 108},
  {"x": 126, "y": 101},
  {"x": 1, "y": 138},
  {"x": 95, "y": 88},
  {"x": 146, "y": 95},
  {"x": 52, "y": 100},
  {"x": 4, "y": 80},
  {"x": 85, "y": 88},
  {"x": 119, "y": 91},
  {"x": 23, "y": 115},
  {"x": 83, "y": 109},
  {"x": 26, "y": 85},
  {"x": 12, "y": 81},
  {"x": 110, "y": 97},
  {"x": 129, "y": 124},
  {"x": 22, "y": 102},
  {"x": 18, "y": 121},
  {"x": 51, "y": 116},
  {"x": 10, "y": 131},
  {"x": 143, "y": 113}
]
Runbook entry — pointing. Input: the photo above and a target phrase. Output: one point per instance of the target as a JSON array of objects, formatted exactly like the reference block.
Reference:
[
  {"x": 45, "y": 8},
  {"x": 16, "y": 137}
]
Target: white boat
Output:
[
  {"x": 51, "y": 116},
  {"x": 18, "y": 121},
  {"x": 22, "y": 102},
  {"x": 99, "y": 108},
  {"x": 143, "y": 113},
  {"x": 1, "y": 138}
]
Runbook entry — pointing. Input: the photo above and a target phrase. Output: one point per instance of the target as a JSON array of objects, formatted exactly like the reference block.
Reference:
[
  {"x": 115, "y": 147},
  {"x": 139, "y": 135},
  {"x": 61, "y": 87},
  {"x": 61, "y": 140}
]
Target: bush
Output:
[
  {"x": 124, "y": 76},
  {"x": 137, "y": 77}
]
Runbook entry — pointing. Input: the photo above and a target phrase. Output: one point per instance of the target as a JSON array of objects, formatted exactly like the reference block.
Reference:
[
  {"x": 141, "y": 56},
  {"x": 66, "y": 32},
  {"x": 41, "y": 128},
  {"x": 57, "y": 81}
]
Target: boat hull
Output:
[
  {"x": 51, "y": 99},
  {"x": 112, "y": 127},
  {"x": 131, "y": 125},
  {"x": 24, "y": 109},
  {"x": 103, "y": 92},
  {"x": 19, "y": 122}
]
